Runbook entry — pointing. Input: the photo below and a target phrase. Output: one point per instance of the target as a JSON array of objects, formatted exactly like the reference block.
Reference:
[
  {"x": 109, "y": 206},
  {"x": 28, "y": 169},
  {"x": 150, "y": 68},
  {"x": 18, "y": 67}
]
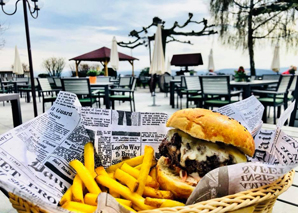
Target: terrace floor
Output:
[{"x": 143, "y": 102}]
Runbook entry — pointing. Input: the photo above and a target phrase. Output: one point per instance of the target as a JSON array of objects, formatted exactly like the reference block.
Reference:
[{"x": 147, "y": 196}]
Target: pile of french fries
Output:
[{"x": 132, "y": 183}]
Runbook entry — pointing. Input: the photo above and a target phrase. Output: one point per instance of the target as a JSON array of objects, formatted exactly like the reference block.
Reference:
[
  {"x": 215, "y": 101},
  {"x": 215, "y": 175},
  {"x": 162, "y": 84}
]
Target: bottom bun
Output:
[{"x": 168, "y": 180}]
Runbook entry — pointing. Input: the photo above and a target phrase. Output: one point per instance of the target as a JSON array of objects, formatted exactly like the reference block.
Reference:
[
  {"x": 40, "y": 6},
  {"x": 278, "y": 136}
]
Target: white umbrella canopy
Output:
[
  {"x": 114, "y": 56},
  {"x": 275, "y": 65},
  {"x": 211, "y": 61},
  {"x": 158, "y": 60},
  {"x": 17, "y": 66},
  {"x": 169, "y": 66}
]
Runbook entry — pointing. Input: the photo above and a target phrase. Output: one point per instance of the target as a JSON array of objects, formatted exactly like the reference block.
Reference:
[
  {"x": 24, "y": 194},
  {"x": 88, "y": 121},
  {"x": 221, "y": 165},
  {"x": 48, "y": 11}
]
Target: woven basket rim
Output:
[
  {"x": 227, "y": 203},
  {"x": 238, "y": 200}
]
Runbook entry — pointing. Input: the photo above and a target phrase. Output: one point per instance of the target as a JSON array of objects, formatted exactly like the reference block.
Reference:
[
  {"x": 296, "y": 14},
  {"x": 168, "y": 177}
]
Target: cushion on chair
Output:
[
  {"x": 119, "y": 96},
  {"x": 86, "y": 100},
  {"x": 49, "y": 98},
  {"x": 218, "y": 102},
  {"x": 270, "y": 100}
]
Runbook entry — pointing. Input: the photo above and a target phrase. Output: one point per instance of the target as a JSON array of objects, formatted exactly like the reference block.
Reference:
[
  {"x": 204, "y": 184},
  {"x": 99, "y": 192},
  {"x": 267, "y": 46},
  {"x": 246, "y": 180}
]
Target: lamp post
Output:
[{"x": 33, "y": 9}]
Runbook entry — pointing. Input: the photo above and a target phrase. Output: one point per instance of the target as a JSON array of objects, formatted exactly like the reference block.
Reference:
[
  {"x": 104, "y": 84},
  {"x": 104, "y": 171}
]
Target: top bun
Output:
[{"x": 213, "y": 126}]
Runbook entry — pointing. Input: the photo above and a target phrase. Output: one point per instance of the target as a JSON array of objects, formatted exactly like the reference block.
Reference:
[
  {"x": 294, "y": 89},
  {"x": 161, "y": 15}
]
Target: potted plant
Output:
[
  {"x": 240, "y": 74},
  {"x": 92, "y": 76}
]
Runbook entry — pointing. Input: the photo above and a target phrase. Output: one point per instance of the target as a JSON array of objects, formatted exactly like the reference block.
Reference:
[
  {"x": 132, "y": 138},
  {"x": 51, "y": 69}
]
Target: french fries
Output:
[
  {"x": 151, "y": 192},
  {"x": 134, "y": 180},
  {"x": 132, "y": 162},
  {"x": 135, "y": 173},
  {"x": 85, "y": 176},
  {"x": 89, "y": 158},
  {"x": 159, "y": 203},
  {"x": 66, "y": 197},
  {"x": 77, "y": 190},
  {"x": 79, "y": 207},
  {"x": 110, "y": 183},
  {"x": 148, "y": 156},
  {"x": 127, "y": 179}
]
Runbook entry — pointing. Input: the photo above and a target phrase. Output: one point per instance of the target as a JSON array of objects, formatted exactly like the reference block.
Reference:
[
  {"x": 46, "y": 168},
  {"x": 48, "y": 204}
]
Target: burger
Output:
[{"x": 200, "y": 141}]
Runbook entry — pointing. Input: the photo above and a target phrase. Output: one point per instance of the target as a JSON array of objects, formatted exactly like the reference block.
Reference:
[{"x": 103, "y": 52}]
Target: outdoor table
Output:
[
  {"x": 172, "y": 91},
  {"x": 246, "y": 86},
  {"x": 15, "y": 107},
  {"x": 104, "y": 85}
]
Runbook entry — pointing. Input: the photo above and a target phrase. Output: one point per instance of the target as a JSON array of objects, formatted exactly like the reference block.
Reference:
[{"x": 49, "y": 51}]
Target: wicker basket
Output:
[{"x": 255, "y": 200}]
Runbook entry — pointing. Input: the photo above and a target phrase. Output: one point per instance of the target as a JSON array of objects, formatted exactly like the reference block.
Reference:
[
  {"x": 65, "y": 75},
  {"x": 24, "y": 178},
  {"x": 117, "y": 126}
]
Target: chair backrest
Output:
[
  {"x": 125, "y": 81},
  {"x": 192, "y": 82},
  {"x": 271, "y": 77},
  {"x": 283, "y": 83},
  {"x": 51, "y": 80},
  {"x": 79, "y": 86},
  {"x": 44, "y": 84},
  {"x": 215, "y": 84},
  {"x": 294, "y": 115},
  {"x": 168, "y": 78},
  {"x": 102, "y": 79},
  {"x": 133, "y": 85},
  {"x": 58, "y": 82},
  {"x": 293, "y": 83}
]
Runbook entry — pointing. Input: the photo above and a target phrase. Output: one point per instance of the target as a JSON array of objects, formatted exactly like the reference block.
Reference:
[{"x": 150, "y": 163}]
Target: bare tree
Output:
[
  {"x": 243, "y": 23},
  {"x": 168, "y": 35},
  {"x": 54, "y": 65}
]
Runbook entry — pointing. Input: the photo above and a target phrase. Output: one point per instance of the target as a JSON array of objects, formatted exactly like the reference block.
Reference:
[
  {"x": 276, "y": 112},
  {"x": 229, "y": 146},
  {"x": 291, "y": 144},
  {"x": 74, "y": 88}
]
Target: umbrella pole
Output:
[
  {"x": 30, "y": 59},
  {"x": 153, "y": 85}
]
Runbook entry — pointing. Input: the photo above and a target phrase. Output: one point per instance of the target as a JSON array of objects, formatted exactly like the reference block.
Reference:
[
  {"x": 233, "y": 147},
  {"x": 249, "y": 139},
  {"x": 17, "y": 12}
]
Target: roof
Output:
[
  {"x": 192, "y": 59},
  {"x": 101, "y": 54}
]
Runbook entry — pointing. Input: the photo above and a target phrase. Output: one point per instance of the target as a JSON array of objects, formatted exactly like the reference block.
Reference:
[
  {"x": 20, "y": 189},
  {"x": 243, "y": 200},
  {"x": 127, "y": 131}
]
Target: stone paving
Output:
[{"x": 143, "y": 104}]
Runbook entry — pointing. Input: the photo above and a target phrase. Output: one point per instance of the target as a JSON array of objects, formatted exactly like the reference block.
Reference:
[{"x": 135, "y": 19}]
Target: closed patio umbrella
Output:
[
  {"x": 169, "y": 67},
  {"x": 17, "y": 65},
  {"x": 211, "y": 61},
  {"x": 275, "y": 65},
  {"x": 114, "y": 56},
  {"x": 157, "y": 66}
]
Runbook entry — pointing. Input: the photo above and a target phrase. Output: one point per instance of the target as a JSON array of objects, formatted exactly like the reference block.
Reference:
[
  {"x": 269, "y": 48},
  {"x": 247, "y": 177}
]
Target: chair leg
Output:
[
  {"x": 113, "y": 104},
  {"x": 130, "y": 105},
  {"x": 43, "y": 106},
  {"x": 274, "y": 115}
]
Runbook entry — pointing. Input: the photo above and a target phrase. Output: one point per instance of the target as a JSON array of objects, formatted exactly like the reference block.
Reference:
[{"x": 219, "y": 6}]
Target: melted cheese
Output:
[{"x": 196, "y": 149}]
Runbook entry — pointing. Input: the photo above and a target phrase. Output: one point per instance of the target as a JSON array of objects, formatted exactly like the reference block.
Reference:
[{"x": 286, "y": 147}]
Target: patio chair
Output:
[
  {"x": 270, "y": 97},
  {"x": 167, "y": 79},
  {"x": 81, "y": 87},
  {"x": 123, "y": 97},
  {"x": 45, "y": 88},
  {"x": 58, "y": 84},
  {"x": 51, "y": 81},
  {"x": 216, "y": 91},
  {"x": 294, "y": 115},
  {"x": 27, "y": 89},
  {"x": 271, "y": 77},
  {"x": 192, "y": 90},
  {"x": 102, "y": 79}
]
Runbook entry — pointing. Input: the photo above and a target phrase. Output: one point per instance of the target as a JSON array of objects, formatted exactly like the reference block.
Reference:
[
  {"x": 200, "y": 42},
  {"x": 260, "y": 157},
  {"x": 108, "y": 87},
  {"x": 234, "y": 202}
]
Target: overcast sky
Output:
[{"x": 68, "y": 28}]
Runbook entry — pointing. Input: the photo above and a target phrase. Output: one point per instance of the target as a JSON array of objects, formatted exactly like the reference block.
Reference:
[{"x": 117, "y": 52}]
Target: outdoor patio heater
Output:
[{"x": 34, "y": 6}]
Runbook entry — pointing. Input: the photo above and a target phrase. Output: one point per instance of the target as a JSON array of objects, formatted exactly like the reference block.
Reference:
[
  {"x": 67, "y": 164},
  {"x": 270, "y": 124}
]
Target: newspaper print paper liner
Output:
[{"x": 44, "y": 181}]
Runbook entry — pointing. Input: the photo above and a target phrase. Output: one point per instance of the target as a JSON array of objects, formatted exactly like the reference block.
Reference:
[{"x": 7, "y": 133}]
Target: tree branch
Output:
[
  {"x": 241, "y": 6},
  {"x": 176, "y": 40},
  {"x": 265, "y": 21}
]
